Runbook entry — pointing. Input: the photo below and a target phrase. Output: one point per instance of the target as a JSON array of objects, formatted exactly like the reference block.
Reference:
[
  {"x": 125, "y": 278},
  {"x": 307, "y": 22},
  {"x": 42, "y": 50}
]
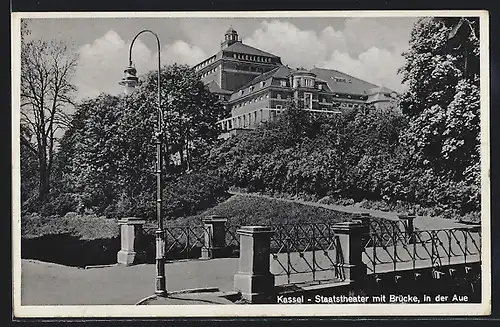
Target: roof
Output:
[
  {"x": 231, "y": 30},
  {"x": 214, "y": 87},
  {"x": 379, "y": 89},
  {"x": 351, "y": 85},
  {"x": 239, "y": 47},
  {"x": 278, "y": 72}
]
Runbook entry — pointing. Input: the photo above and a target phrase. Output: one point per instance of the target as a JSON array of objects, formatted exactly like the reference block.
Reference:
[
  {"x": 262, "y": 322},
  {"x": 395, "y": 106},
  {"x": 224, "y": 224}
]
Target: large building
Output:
[{"x": 254, "y": 86}]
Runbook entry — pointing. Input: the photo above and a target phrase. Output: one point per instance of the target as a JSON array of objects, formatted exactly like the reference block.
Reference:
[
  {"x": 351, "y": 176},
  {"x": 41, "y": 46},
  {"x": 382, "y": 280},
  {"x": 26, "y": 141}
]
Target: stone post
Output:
[
  {"x": 254, "y": 280},
  {"x": 349, "y": 243},
  {"x": 215, "y": 237},
  {"x": 364, "y": 218},
  {"x": 409, "y": 228},
  {"x": 131, "y": 233}
]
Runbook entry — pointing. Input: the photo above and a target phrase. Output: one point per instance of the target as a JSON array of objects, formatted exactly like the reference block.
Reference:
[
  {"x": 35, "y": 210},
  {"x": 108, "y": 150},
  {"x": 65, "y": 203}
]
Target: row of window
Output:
[
  {"x": 341, "y": 79},
  {"x": 211, "y": 71},
  {"x": 252, "y": 88},
  {"x": 362, "y": 97},
  {"x": 303, "y": 81},
  {"x": 349, "y": 105},
  {"x": 206, "y": 63},
  {"x": 250, "y": 57},
  {"x": 244, "y": 103}
]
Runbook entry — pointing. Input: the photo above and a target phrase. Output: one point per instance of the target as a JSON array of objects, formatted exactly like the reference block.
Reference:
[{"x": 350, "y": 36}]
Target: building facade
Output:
[{"x": 255, "y": 86}]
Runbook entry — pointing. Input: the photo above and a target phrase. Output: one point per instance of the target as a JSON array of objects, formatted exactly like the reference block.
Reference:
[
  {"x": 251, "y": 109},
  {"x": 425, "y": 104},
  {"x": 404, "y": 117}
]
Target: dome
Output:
[{"x": 231, "y": 30}]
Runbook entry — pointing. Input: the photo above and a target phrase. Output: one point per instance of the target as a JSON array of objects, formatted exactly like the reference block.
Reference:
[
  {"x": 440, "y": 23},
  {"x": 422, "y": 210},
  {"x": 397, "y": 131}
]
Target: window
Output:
[
  {"x": 339, "y": 79},
  {"x": 279, "y": 106},
  {"x": 308, "y": 82},
  {"x": 283, "y": 82},
  {"x": 262, "y": 84},
  {"x": 251, "y": 88},
  {"x": 308, "y": 100},
  {"x": 278, "y": 96},
  {"x": 320, "y": 87},
  {"x": 242, "y": 91}
]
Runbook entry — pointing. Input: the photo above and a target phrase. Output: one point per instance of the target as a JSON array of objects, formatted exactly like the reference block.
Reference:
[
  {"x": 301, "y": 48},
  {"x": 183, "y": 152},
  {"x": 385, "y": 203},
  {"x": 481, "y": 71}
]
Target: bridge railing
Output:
[
  {"x": 307, "y": 251},
  {"x": 391, "y": 245}
]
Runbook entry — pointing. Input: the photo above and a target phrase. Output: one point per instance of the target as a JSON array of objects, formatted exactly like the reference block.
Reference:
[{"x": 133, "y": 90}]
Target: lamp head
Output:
[{"x": 130, "y": 79}]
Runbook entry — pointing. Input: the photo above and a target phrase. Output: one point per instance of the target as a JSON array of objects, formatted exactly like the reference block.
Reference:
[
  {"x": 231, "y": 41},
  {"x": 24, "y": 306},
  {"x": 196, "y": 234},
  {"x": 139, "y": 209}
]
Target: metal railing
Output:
[
  {"x": 311, "y": 252},
  {"x": 306, "y": 251},
  {"x": 390, "y": 247},
  {"x": 185, "y": 241}
]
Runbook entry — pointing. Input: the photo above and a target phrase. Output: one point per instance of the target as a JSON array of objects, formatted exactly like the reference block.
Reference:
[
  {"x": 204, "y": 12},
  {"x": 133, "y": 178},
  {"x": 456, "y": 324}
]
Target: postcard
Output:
[{"x": 239, "y": 164}]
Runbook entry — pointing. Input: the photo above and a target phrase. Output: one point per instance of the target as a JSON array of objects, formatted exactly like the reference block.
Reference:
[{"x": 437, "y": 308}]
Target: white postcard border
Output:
[{"x": 275, "y": 310}]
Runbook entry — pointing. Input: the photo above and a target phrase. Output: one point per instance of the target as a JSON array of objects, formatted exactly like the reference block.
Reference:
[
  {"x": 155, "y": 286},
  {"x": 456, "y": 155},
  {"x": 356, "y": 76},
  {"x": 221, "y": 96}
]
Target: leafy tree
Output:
[
  {"x": 442, "y": 101},
  {"x": 190, "y": 113},
  {"x": 108, "y": 157}
]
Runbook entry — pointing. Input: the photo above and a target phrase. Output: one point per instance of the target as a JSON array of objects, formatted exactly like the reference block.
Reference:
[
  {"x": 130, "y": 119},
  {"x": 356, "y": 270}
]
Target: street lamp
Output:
[{"x": 130, "y": 81}]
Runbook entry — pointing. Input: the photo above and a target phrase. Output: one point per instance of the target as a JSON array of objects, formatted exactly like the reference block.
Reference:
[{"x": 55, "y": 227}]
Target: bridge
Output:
[{"x": 305, "y": 256}]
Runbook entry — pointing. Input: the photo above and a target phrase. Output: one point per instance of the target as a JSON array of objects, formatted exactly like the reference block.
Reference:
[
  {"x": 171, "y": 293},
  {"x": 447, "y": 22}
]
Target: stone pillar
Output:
[
  {"x": 131, "y": 232},
  {"x": 215, "y": 237},
  {"x": 254, "y": 280},
  {"x": 364, "y": 218},
  {"x": 409, "y": 228},
  {"x": 349, "y": 243}
]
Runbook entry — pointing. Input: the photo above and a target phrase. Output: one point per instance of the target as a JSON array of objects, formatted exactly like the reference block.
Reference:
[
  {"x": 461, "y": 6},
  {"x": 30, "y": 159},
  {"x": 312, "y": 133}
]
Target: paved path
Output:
[
  {"x": 421, "y": 222},
  {"x": 51, "y": 284}
]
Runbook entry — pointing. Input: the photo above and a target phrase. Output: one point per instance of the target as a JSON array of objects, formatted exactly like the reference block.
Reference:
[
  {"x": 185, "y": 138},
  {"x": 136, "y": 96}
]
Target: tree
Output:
[
  {"x": 107, "y": 156},
  {"x": 46, "y": 91},
  {"x": 29, "y": 169},
  {"x": 442, "y": 101},
  {"x": 190, "y": 113}
]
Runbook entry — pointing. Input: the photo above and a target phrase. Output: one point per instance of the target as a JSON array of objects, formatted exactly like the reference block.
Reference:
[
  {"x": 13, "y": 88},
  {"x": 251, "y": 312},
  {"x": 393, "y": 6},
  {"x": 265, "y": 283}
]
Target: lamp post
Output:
[{"x": 130, "y": 81}]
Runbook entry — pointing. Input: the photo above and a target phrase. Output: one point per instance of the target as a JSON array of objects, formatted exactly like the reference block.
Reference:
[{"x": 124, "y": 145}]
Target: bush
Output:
[
  {"x": 192, "y": 193},
  {"x": 353, "y": 157},
  {"x": 60, "y": 204},
  {"x": 85, "y": 227}
]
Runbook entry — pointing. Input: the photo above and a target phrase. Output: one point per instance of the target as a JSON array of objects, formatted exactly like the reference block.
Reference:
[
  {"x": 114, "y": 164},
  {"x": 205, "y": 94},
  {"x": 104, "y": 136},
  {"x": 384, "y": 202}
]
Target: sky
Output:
[{"x": 368, "y": 48}]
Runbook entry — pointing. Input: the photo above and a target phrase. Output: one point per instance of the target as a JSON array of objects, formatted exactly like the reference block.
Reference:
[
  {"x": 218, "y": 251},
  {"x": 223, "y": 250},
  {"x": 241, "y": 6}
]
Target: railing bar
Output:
[
  {"x": 314, "y": 253},
  {"x": 288, "y": 260}
]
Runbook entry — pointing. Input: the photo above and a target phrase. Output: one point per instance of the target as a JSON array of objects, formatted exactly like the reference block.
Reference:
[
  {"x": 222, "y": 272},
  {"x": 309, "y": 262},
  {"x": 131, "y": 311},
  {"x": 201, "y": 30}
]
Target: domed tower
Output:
[{"x": 230, "y": 37}]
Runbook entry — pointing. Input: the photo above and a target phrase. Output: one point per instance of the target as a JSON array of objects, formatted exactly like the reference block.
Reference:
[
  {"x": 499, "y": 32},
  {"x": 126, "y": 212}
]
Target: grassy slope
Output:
[{"x": 247, "y": 210}]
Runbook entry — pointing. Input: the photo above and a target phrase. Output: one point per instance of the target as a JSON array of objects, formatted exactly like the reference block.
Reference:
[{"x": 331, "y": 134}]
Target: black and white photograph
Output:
[{"x": 221, "y": 164}]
